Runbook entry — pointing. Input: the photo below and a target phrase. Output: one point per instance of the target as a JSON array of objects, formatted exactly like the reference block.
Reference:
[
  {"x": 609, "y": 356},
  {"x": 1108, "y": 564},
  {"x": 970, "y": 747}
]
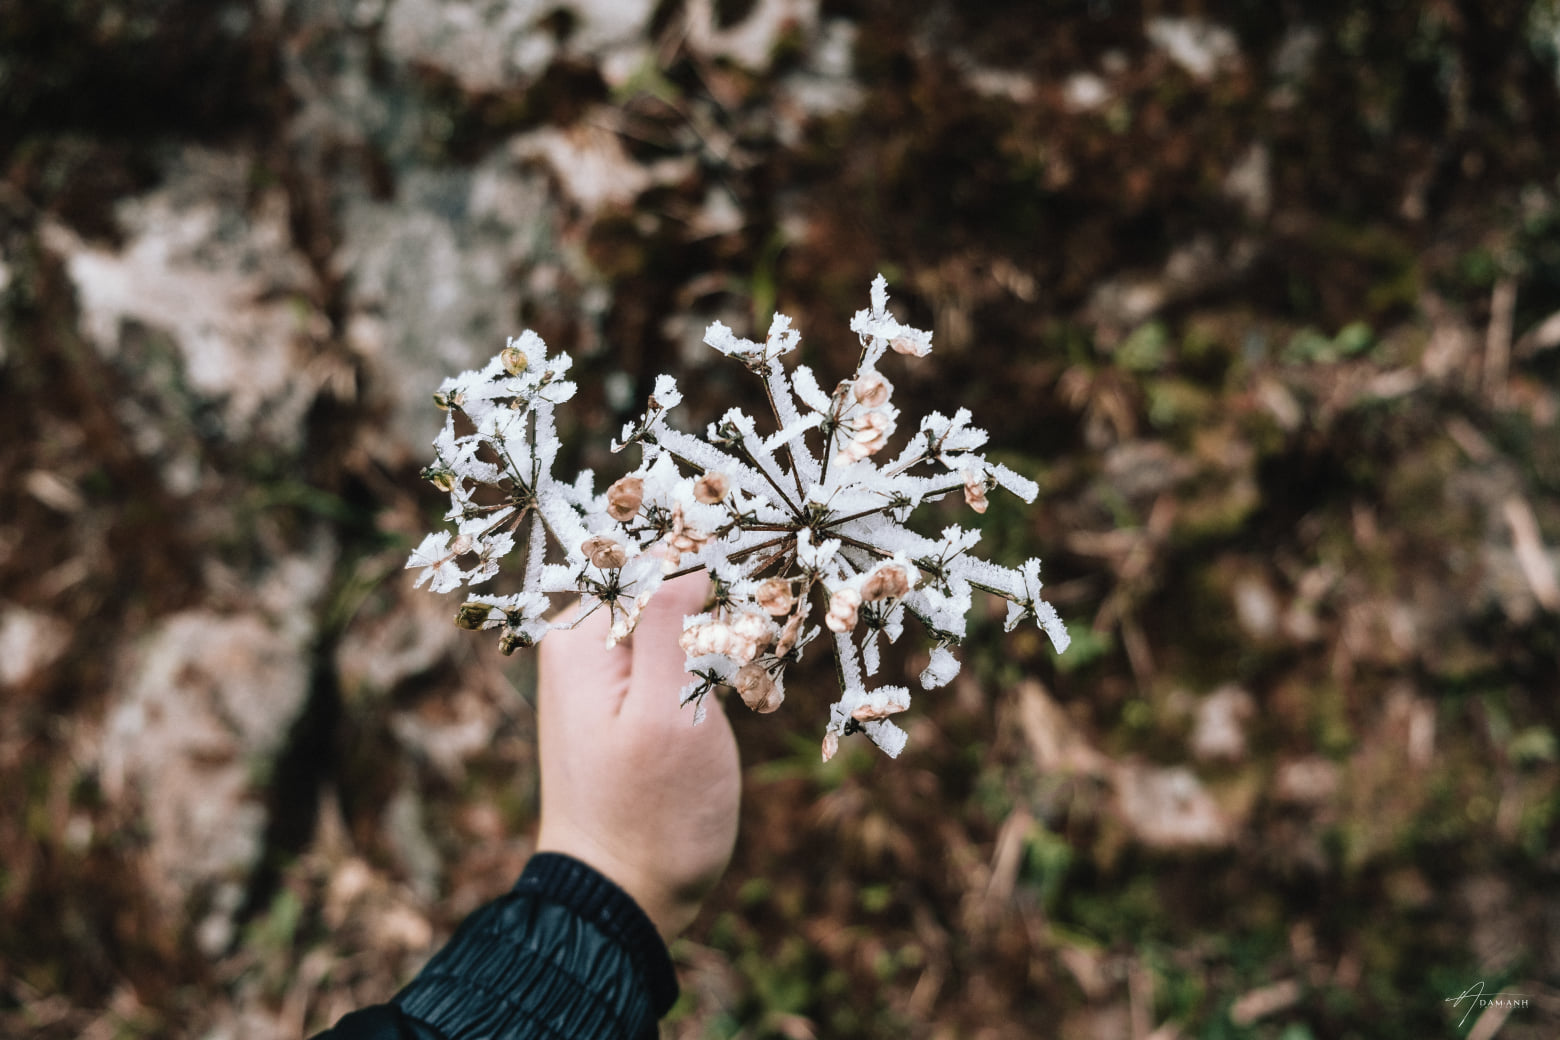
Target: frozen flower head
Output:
[{"x": 801, "y": 526}]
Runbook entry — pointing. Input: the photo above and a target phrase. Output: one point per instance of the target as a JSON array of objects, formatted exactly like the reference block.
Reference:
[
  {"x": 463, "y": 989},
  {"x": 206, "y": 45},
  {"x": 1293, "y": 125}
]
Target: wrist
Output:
[{"x": 669, "y": 914}]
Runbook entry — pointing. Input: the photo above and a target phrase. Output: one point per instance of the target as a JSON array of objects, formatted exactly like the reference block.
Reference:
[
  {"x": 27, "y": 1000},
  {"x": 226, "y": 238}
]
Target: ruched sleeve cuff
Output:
[
  {"x": 566, "y": 953},
  {"x": 564, "y": 880}
]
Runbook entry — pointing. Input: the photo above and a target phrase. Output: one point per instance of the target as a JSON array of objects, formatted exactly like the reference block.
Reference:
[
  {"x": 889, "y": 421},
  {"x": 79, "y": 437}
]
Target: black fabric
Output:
[
  {"x": 562, "y": 879},
  {"x": 380, "y": 1022},
  {"x": 565, "y": 954}
]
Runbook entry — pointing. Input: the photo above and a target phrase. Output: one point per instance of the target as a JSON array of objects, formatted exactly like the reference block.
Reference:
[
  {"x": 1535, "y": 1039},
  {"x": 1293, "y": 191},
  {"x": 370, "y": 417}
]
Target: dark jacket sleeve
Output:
[{"x": 566, "y": 953}]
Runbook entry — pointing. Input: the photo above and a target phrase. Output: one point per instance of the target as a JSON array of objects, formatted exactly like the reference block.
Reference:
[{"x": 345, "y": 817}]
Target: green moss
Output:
[
  {"x": 1147, "y": 349},
  {"x": 875, "y": 899},
  {"x": 1533, "y": 746},
  {"x": 1331, "y": 731},
  {"x": 1309, "y": 346},
  {"x": 754, "y": 891},
  {"x": 1047, "y": 859},
  {"x": 1177, "y": 404},
  {"x": 1217, "y": 511},
  {"x": 1088, "y": 647},
  {"x": 1132, "y": 913}
]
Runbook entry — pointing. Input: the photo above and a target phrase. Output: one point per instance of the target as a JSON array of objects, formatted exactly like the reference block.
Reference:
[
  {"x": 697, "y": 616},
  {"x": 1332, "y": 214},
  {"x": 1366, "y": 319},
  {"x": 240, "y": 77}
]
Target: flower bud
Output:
[
  {"x": 842, "y": 610},
  {"x": 624, "y": 498},
  {"x": 624, "y": 626},
  {"x": 831, "y": 744},
  {"x": 603, "y": 552},
  {"x": 774, "y": 595},
  {"x": 441, "y": 477},
  {"x": 688, "y": 541},
  {"x": 682, "y": 539},
  {"x": 887, "y": 582},
  {"x": 512, "y": 640},
  {"x": 751, "y": 626},
  {"x": 720, "y": 639},
  {"x": 868, "y": 435},
  {"x": 907, "y": 345},
  {"x": 514, "y": 360},
  {"x": 711, "y": 488},
  {"x": 871, "y": 389},
  {"x": 472, "y": 614},
  {"x": 462, "y": 544},
  {"x": 758, "y": 689},
  {"x": 788, "y": 636},
  {"x": 715, "y": 637}
]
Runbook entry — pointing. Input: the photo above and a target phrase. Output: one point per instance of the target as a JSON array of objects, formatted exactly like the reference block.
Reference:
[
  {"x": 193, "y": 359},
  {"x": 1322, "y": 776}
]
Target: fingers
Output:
[
  {"x": 576, "y": 664},
  {"x": 657, "y": 658}
]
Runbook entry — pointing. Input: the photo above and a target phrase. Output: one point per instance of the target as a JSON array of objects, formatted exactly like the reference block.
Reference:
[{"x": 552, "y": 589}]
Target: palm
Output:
[{"x": 629, "y": 784}]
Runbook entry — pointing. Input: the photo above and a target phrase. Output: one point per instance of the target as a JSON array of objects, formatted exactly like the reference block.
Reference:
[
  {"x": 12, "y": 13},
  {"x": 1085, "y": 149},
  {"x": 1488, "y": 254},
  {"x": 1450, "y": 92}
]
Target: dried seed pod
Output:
[
  {"x": 682, "y": 539},
  {"x": 788, "y": 636},
  {"x": 472, "y": 614},
  {"x": 758, "y": 689},
  {"x": 751, "y": 626},
  {"x": 906, "y": 345},
  {"x": 623, "y": 627},
  {"x": 624, "y": 498},
  {"x": 711, "y": 487},
  {"x": 842, "y": 610},
  {"x": 441, "y": 477},
  {"x": 603, "y": 552},
  {"x": 687, "y": 541},
  {"x": 462, "y": 544},
  {"x": 868, "y": 435},
  {"x": 514, "y": 360},
  {"x": 715, "y": 637},
  {"x": 871, "y": 389},
  {"x": 831, "y": 744},
  {"x": 513, "y": 640},
  {"x": 774, "y": 595},
  {"x": 975, "y": 490},
  {"x": 890, "y": 581}
]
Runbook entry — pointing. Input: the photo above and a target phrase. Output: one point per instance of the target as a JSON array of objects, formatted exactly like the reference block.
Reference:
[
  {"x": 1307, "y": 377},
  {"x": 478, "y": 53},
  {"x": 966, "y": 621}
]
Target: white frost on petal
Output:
[
  {"x": 879, "y": 295},
  {"x": 1055, "y": 628},
  {"x": 443, "y": 574},
  {"x": 666, "y": 393},
  {"x": 1020, "y": 485},
  {"x": 807, "y": 389},
  {"x": 869, "y": 653},
  {"x": 784, "y": 437},
  {"x": 782, "y": 339},
  {"x": 887, "y": 736},
  {"x": 940, "y": 672}
]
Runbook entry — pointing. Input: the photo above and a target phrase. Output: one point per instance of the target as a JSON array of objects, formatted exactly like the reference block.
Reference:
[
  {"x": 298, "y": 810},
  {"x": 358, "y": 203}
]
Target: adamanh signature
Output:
[{"x": 1475, "y": 997}]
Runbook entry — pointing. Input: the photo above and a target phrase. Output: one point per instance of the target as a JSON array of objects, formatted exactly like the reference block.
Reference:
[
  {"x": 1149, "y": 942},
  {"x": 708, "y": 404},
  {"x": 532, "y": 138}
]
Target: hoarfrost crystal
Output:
[{"x": 802, "y": 530}]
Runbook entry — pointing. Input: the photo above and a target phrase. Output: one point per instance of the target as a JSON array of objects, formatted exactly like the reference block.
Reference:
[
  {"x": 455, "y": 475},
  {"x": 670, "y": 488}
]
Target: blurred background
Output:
[{"x": 1266, "y": 296}]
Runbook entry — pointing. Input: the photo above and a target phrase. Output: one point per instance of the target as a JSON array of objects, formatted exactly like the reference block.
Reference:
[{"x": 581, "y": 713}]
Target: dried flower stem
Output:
[{"x": 826, "y": 526}]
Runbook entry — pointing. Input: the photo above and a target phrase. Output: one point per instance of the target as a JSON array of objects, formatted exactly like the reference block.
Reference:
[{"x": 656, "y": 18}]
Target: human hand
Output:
[{"x": 629, "y": 784}]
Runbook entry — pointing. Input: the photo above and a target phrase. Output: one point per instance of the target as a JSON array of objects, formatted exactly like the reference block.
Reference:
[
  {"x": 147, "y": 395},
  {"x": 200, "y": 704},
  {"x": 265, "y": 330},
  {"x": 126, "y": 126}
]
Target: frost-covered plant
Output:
[{"x": 802, "y": 530}]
